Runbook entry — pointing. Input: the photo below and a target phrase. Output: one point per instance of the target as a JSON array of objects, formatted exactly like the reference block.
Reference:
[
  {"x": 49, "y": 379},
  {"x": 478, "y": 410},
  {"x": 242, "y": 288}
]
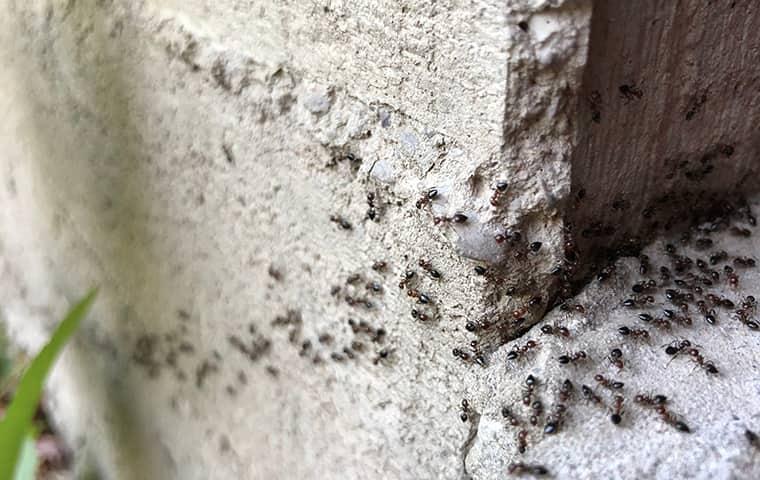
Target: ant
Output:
[
  {"x": 658, "y": 404},
  {"x": 509, "y": 416},
  {"x": 530, "y": 384},
  {"x": 537, "y": 408},
  {"x": 707, "y": 366},
  {"x": 371, "y": 210},
  {"x": 521, "y": 351},
  {"x": 638, "y": 301},
  {"x": 634, "y": 332},
  {"x": 744, "y": 262},
  {"x": 522, "y": 440},
  {"x": 344, "y": 224},
  {"x": 630, "y": 92},
  {"x": 752, "y": 438},
  {"x": 588, "y": 394},
  {"x": 382, "y": 355},
  {"x": 459, "y": 353},
  {"x": 644, "y": 265},
  {"x": 606, "y": 382},
  {"x": 671, "y": 419},
  {"x": 644, "y": 286},
  {"x": 465, "y": 408},
  {"x": 555, "y": 330},
  {"x": 499, "y": 190},
  {"x": 572, "y": 357},
  {"x": 649, "y": 401},
  {"x": 676, "y": 347},
  {"x": 554, "y": 420},
  {"x": 617, "y": 410},
  {"x": 379, "y": 265},
  {"x": 456, "y": 218},
  {"x": 406, "y": 279},
  {"x": 717, "y": 257},
  {"x": 577, "y": 307},
  {"x": 428, "y": 267},
  {"x": 526, "y": 469},
  {"x": 426, "y": 198},
  {"x": 616, "y": 358}
]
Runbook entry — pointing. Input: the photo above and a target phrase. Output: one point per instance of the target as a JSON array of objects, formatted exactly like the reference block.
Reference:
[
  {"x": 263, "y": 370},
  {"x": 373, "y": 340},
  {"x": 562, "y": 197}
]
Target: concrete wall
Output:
[{"x": 209, "y": 165}]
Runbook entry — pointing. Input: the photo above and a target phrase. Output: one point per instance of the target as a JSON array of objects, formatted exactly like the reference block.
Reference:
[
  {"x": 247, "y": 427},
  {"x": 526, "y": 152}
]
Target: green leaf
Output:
[
  {"x": 26, "y": 469},
  {"x": 18, "y": 418}
]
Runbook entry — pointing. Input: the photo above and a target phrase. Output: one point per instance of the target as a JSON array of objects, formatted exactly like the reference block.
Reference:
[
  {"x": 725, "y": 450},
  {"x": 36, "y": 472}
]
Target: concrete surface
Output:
[{"x": 209, "y": 165}]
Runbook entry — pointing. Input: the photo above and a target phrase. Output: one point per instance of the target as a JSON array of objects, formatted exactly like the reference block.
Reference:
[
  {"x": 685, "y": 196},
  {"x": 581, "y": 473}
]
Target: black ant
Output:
[
  {"x": 371, "y": 210},
  {"x": 571, "y": 357},
  {"x": 344, "y": 224},
  {"x": 465, "y": 408},
  {"x": 744, "y": 262},
  {"x": 606, "y": 382}
]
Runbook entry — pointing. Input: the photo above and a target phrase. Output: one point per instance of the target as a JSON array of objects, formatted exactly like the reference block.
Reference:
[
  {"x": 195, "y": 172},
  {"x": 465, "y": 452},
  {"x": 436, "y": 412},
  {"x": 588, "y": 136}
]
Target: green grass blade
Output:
[
  {"x": 26, "y": 469},
  {"x": 18, "y": 418}
]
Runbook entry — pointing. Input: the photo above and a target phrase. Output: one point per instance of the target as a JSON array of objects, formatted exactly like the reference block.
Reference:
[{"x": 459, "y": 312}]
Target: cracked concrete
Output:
[{"x": 241, "y": 178}]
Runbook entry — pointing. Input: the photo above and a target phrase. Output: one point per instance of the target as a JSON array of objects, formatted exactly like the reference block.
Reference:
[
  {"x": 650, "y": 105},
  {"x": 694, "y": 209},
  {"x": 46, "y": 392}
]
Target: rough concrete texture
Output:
[{"x": 189, "y": 160}]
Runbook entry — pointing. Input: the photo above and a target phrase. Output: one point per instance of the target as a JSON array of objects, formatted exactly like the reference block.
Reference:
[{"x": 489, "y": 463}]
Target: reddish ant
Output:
[
  {"x": 707, "y": 366},
  {"x": 499, "y": 190},
  {"x": 428, "y": 267},
  {"x": 555, "y": 330},
  {"x": 426, "y": 198},
  {"x": 456, "y": 218},
  {"x": 530, "y": 385},
  {"x": 634, "y": 332},
  {"x": 589, "y": 395},
  {"x": 509, "y": 416},
  {"x": 607, "y": 383},
  {"x": 617, "y": 410},
  {"x": 616, "y": 358},
  {"x": 521, "y": 351},
  {"x": 537, "y": 408},
  {"x": 522, "y": 440},
  {"x": 571, "y": 357}
]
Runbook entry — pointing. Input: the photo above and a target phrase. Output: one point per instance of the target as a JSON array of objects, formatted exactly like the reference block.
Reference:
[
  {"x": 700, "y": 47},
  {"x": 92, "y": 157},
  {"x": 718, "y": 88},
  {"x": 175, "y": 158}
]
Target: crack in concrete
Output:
[{"x": 467, "y": 445}]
